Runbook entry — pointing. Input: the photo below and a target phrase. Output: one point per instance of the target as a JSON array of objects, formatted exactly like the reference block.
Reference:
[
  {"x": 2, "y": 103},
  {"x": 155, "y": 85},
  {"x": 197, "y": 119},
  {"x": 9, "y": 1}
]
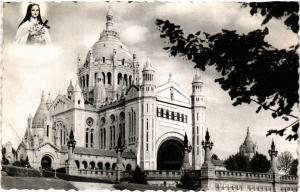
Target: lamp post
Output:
[
  {"x": 71, "y": 146},
  {"x": 187, "y": 149}
]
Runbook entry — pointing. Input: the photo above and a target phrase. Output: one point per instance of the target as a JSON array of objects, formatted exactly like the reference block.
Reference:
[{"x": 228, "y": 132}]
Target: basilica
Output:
[{"x": 115, "y": 97}]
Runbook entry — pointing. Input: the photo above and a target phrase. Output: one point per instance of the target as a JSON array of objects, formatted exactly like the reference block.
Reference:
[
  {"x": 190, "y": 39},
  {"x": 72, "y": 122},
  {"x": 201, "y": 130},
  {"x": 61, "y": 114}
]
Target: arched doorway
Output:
[
  {"x": 170, "y": 155},
  {"x": 46, "y": 162}
]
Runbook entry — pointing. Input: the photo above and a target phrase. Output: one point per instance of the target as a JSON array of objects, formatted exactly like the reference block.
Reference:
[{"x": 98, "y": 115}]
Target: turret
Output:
[
  {"x": 148, "y": 155},
  {"x": 148, "y": 85},
  {"x": 70, "y": 90},
  {"x": 49, "y": 101},
  {"x": 198, "y": 119},
  {"x": 273, "y": 154},
  {"x": 78, "y": 99}
]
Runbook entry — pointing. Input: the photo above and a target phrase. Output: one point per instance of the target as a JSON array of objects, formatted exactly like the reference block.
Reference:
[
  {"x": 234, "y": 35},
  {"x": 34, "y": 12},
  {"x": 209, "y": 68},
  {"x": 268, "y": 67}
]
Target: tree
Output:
[
  {"x": 237, "y": 162},
  {"x": 293, "y": 169},
  {"x": 215, "y": 157},
  {"x": 186, "y": 182},
  {"x": 285, "y": 160},
  {"x": 259, "y": 163},
  {"x": 4, "y": 160},
  {"x": 138, "y": 176},
  {"x": 251, "y": 69}
]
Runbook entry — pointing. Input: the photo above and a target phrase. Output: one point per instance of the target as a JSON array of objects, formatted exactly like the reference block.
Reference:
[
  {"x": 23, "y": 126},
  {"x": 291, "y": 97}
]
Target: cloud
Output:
[{"x": 134, "y": 34}]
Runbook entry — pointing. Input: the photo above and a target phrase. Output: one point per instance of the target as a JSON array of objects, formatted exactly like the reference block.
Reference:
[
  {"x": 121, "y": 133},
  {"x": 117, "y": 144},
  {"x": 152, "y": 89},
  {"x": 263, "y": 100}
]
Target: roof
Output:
[
  {"x": 40, "y": 114},
  {"x": 99, "y": 152}
]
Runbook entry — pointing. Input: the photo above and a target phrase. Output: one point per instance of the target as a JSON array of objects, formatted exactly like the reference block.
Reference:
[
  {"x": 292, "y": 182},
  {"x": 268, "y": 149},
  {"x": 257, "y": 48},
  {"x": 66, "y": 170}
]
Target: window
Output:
[
  {"x": 87, "y": 138},
  {"x": 103, "y": 58},
  {"x": 172, "y": 115},
  {"x": 92, "y": 138},
  {"x": 47, "y": 130},
  {"x": 182, "y": 117},
  {"x": 167, "y": 114},
  {"x": 123, "y": 61},
  {"x": 109, "y": 78}
]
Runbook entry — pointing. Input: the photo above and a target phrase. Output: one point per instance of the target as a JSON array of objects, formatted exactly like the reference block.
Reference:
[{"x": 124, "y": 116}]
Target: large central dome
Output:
[{"x": 108, "y": 42}]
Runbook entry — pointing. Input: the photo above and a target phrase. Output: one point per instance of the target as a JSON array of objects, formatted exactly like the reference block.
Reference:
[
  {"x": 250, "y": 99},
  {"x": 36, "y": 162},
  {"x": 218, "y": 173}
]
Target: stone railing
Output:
[
  {"x": 110, "y": 175},
  {"x": 243, "y": 175},
  {"x": 288, "y": 178},
  {"x": 163, "y": 175}
]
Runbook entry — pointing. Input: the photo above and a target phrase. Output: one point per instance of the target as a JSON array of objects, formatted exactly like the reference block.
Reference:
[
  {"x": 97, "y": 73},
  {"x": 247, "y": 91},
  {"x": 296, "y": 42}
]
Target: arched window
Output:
[
  {"x": 182, "y": 117},
  {"x": 92, "y": 165},
  {"x": 125, "y": 80},
  {"x": 77, "y": 164},
  {"x": 114, "y": 166},
  {"x": 123, "y": 61},
  {"x": 87, "y": 138},
  {"x": 162, "y": 112},
  {"x": 95, "y": 78},
  {"x": 83, "y": 80},
  {"x": 92, "y": 138},
  {"x": 107, "y": 166},
  {"x": 109, "y": 78},
  {"x": 103, "y": 78},
  {"x": 100, "y": 165},
  {"x": 167, "y": 114},
  {"x": 103, "y": 59},
  {"x": 119, "y": 78},
  {"x": 172, "y": 115},
  {"x": 87, "y": 80},
  {"x": 128, "y": 167},
  {"x": 130, "y": 79},
  {"x": 47, "y": 130},
  {"x": 84, "y": 164}
]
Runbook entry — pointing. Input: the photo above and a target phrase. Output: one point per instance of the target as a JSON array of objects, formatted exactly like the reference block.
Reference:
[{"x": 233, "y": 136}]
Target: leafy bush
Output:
[
  {"x": 20, "y": 171},
  {"x": 138, "y": 176},
  {"x": 259, "y": 163},
  {"x": 186, "y": 182}
]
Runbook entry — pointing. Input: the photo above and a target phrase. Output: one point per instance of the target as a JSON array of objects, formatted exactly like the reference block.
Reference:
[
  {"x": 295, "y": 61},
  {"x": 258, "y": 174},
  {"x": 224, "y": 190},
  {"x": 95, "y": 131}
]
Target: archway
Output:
[
  {"x": 46, "y": 162},
  {"x": 170, "y": 155}
]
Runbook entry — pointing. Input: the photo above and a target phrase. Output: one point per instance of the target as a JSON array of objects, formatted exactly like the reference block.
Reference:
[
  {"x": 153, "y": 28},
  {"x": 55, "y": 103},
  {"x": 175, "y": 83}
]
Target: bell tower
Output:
[
  {"x": 198, "y": 120},
  {"x": 148, "y": 102}
]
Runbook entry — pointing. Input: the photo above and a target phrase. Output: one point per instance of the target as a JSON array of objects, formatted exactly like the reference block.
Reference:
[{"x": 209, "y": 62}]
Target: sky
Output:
[{"x": 75, "y": 27}]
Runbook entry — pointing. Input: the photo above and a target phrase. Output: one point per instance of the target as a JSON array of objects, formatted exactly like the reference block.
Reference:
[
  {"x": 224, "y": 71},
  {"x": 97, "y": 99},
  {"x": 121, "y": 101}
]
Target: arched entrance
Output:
[
  {"x": 170, "y": 155},
  {"x": 46, "y": 162}
]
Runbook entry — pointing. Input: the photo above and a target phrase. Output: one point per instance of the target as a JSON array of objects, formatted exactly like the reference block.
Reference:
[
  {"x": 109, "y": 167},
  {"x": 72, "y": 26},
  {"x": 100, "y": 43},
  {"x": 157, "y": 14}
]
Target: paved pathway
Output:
[{"x": 87, "y": 185}]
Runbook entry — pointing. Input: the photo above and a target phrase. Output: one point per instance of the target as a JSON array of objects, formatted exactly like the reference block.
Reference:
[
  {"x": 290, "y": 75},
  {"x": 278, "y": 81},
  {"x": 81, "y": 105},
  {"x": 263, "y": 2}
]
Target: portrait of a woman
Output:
[{"x": 32, "y": 29}]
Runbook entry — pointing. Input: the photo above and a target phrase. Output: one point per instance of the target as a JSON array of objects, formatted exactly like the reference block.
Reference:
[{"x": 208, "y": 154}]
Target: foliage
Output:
[
  {"x": 293, "y": 169},
  {"x": 279, "y": 10},
  {"x": 186, "y": 182},
  {"x": 259, "y": 163},
  {"x": 237, "y": 162},
  {"x": 285, "y": 160},
  {"x": 138, "y": 176},
  {"x": 251, "y": 69},
  {"x": 4, "y": 160},
  {"x": 215, "y": 157}
]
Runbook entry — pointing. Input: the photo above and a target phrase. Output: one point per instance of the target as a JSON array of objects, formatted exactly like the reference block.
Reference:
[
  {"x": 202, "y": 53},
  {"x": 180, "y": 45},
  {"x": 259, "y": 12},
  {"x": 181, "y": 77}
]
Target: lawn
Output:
[{"x": 8, "y": 182}]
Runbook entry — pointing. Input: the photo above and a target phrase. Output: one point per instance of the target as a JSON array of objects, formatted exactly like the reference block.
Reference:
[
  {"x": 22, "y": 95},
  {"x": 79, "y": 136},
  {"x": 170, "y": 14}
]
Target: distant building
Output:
[
  {"x": 10, "y": 153},
  {"x": 248, "y": 147}
]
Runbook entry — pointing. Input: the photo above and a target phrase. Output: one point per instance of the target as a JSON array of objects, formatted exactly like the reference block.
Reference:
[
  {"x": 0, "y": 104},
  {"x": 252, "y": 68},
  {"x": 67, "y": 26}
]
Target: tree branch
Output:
[{"x": 274, "y": 109}]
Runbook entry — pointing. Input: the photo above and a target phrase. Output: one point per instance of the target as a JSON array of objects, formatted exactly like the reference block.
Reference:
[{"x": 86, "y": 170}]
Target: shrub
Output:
[
  {"x": 138, "y": 176},
  {"x": 21, "y": 172},
  {"x": 186, "y": 181}
]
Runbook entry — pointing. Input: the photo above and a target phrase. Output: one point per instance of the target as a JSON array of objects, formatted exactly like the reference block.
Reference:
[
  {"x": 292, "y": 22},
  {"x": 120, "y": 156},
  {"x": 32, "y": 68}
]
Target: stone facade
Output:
[{"x": 116, "y": 96}]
